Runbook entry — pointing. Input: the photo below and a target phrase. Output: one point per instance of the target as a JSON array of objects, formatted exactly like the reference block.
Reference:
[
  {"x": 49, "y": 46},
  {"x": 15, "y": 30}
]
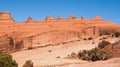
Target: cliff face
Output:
[
  {"x": 51, "y": 31},
  {"x": 8, "y": 44}
]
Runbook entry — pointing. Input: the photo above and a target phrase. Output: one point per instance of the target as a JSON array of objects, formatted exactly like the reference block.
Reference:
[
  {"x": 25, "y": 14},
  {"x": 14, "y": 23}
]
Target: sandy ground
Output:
[
  {"x": 114, "y": 62},
  {"x": 42, "y": 56}
]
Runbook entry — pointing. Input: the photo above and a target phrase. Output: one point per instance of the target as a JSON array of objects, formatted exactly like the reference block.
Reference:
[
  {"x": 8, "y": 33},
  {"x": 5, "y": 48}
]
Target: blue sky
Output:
[{"x": 39, "y": 9}]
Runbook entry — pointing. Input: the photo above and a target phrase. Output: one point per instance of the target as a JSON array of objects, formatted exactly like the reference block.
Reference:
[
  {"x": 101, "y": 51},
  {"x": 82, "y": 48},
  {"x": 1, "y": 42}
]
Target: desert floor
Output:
[{"x": 53, "y": 56}]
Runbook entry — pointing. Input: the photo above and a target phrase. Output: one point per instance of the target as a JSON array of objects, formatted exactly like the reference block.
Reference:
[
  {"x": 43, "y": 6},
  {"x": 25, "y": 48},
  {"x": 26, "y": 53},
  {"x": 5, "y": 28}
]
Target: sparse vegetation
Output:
[
  {"x": 73, "y": 54},
  {"x": 57, "y": 44},
  {"x": 49, "y": 50},
  {"x": 6, "y": 61},
  {"x": 30, "y": 48},
  {"x": 68, "y": 55},
  {"x": 100, "y": 39},
  {"x": 90, "y": 38},
  {"x": 71, "y": 41},
  {"x": 65, "y": 43},
  {"x": 117, "y": 34},
  {"x": 85, "y": 39},
  {"x": 28, "y": 63},
  {"x": 93, "y": 42},
  {"x": 58, "y": 57},
  {"x": 78, "y": 40},
  {"x": 93, "y": 55},
  {"x": 112, "y": 35},
  {"x": 100, "y": 34},
  {"x": 104, "y": 38},
  {"x": 107, "y": 33},
  {"x": 103, "y": 44},
  {"x": 96, "y": 53}
]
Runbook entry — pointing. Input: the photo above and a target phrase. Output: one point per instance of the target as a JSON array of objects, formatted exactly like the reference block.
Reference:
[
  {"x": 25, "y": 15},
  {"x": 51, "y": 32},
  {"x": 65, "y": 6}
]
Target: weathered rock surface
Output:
[
  {"x": 5, "y": 17},
  {"x": 50, "y": 31},
  {"x": 10, "y": 43}
]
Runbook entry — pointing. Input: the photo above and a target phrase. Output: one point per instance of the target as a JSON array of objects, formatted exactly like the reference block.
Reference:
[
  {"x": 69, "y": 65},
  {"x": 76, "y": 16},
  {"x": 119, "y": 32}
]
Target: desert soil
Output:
[{"x": 53, "y": 56}]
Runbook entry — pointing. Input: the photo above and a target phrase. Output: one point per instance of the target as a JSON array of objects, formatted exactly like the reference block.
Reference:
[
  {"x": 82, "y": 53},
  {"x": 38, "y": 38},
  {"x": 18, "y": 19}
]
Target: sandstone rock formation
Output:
[
  {"x": 8, "y": 44},
  {"x": 29, "y": 20},
  {"x": 96, "y": 18},
  {"x": 83, "y": 18},
  {"x": 59, "y": 18},
  {"x": 33, "y": 33},
  {"x": 49, "y": 18},
  {"x": 6, "y": 17},
  {"x": 72, "y": 17}
]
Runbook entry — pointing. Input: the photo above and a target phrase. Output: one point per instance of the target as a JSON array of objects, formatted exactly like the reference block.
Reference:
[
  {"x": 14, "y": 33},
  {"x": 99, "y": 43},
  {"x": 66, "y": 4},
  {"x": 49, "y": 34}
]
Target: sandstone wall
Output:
[
  {"x": 57, "y": 36},
  {"x": 90, "y": 32},
  {"x": 32, "y": 33},
  {"x": 50, "y": 37}
]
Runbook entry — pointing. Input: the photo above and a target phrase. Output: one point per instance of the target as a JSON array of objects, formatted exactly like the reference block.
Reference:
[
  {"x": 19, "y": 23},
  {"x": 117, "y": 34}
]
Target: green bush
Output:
[
  {"x": 28, "y": 63},
  {"x": 6, "y": 61},
  {"x": 103, "y": 44},
  {"x": 93, "y": 55}
]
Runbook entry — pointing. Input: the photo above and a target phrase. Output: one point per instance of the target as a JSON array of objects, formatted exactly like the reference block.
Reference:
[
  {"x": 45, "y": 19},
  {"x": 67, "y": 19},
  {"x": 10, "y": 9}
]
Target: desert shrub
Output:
[
  {"x": 93, "y": 42},
  {"x": 93, "y": 55},
  {"x": 100, "y": 39},
  {"x": 83, "y": 55},
  {"x": 30, "y": 48},
  {"x": 107, "y": 33},
  {"x": 57, "y": 44},
  {"x": 78, "y": 40},
  {"x": 49, "y": 50},
  {"x": 58, "y": 57},
  {"x": 100, "y": 34},
  {"x": 104, "y": 37},
  {"x": 103, "y": 44},
  {"x": 6, "y": 61},
  {"x": 71, "y": 41},
  {"x": 103, "y": 55},
  {"x": 68, "y": 55},
  {"x": 85, "y": 39},
  {"x": 90, "y": 38},
  {"x": 112, "y": 35},
  {"x": 28, "y": 63},
  {"x": 117, "y": 34},
  {"x": 65, "y": 42},
  {"x": 73, "y": 54}
]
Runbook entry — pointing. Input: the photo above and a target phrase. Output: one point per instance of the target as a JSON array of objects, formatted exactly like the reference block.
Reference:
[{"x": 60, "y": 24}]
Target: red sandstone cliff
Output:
[{"x": 36, "y": 33}]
